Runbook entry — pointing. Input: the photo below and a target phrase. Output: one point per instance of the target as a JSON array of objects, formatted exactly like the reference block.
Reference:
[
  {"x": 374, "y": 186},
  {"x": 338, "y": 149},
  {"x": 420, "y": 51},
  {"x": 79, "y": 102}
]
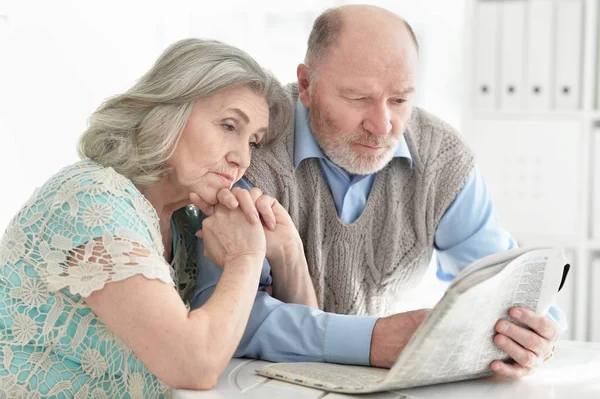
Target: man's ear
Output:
[{"x": 303, "y": 73}]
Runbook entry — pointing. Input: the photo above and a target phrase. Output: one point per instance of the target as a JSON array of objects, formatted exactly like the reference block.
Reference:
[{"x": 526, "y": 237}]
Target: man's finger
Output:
[
  {"x": 509, "y": 370},
  {"x": 523, "y": 356},
  {"x": 538, "y": 323},
  {"x": 526, "y": 338}
]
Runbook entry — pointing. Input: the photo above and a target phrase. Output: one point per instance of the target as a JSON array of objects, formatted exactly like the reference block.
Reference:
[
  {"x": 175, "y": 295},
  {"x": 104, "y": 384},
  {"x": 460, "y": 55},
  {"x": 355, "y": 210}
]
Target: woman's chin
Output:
[{"x": 203, "y": 198}]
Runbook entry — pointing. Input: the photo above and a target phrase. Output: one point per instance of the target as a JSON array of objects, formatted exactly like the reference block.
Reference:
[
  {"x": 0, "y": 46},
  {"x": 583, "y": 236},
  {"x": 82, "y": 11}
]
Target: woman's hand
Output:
[
  {"x": 285, "y": 252},
  {"x": 229, "y": 236},
  {"x": 284, "y": 249},
  {"x": 283, "y": 240}
]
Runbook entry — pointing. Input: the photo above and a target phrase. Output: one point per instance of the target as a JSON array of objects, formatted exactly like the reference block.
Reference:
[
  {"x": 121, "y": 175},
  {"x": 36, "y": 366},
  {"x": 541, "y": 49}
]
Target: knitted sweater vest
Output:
[{"x": 369, "y": 266}]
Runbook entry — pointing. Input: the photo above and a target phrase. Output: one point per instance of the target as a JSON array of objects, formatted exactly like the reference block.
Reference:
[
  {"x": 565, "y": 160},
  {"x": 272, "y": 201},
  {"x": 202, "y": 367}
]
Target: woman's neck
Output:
[{"x": 165, "y": 197}]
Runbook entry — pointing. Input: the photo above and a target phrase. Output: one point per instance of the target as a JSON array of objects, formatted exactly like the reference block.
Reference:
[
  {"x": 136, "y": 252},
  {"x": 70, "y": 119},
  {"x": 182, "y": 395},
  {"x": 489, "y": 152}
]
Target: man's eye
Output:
[
  {"x": 359, "y": 98},
  {"x": 255, "y": 145},
  {"x": 229, "y": 128},
  {"x": 400, "y": 101}
]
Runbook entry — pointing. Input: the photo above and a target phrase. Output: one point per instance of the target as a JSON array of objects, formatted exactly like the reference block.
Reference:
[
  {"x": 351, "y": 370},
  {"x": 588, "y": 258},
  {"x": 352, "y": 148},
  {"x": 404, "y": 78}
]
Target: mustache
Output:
[{"x": 371, "y": 141}]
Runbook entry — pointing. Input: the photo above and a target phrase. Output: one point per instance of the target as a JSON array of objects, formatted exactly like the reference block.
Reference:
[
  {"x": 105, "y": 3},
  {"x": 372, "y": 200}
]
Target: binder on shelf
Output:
[
  {"x": 568, "y": 54},
  {"x": 512, "y": 30},
  {"x": 3, "y": 25},
  {"x": 594, "y": 311},
  {"x": 540, "y": 38},
  {"x": 487, "y": 29},
  {"x": 595, "y": 190}
]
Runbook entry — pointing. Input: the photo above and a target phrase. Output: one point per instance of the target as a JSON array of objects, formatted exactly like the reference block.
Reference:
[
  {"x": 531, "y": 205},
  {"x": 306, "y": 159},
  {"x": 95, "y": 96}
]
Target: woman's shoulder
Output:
[
  {"x": 92, "y": 198},
  {"x": 87, "y": 173}
]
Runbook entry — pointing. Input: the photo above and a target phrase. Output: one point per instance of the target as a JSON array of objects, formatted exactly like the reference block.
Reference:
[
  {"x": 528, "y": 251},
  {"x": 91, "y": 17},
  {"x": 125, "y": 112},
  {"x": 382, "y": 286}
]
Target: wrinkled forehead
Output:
[{"x": 387, "y": 54}]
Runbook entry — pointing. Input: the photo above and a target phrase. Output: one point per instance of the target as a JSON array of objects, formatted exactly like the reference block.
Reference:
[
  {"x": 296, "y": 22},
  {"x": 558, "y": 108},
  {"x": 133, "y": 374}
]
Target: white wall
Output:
[{"x": 59, "y": 59}]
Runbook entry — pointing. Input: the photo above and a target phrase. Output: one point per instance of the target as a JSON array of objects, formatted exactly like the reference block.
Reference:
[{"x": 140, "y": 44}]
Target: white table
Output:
[{"x": 573, "y": 373}]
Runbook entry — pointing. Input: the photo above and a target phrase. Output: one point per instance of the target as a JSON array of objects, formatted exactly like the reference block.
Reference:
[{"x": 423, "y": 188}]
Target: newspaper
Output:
[{"x": 455, "y": 342}]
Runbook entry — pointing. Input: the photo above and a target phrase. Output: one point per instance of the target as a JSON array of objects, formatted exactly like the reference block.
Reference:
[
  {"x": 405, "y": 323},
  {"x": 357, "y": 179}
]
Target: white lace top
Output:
[{"x": 81, "y": 230}]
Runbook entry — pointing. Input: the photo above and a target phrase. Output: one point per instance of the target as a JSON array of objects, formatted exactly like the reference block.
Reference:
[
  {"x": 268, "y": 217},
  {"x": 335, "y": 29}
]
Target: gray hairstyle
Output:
[
  {"x": 136, "y": 133},
  {"x": 326, "y": 33}
]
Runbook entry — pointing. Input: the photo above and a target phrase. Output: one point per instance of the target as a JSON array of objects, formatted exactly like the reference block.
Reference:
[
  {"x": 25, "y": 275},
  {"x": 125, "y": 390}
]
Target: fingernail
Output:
[
  {"x": 233, "y": 204},
  {"x": 517, "y": 314},
  {"x": 503, "y": 327},
  {"x": 255, "y": 218},
  {"x": 272, "y": 226}
]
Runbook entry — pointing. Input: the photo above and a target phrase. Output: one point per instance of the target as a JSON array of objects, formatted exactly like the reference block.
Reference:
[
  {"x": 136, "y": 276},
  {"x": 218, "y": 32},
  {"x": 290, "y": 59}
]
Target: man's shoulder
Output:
[
  {"x": 421, "y": 119},
  {"x": 433, "y": 140}
]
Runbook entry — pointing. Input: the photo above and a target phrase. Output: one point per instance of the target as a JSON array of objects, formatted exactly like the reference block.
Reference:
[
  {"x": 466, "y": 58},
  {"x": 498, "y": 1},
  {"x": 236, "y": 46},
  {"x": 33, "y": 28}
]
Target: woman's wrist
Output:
[
  {"x": 287, "y": 254},
  {"x": 238, "y": 259}
]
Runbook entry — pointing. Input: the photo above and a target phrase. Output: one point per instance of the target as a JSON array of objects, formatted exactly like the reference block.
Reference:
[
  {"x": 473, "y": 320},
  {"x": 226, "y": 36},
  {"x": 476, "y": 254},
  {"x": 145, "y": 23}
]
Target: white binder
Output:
[
  {"x": 595, "y": 203},
  {"x": 568, "y": 54},
  {"x": 540, "y": 39},
  {"x": 594, "y": 313},
  {"x": 3, "y": 25},
  {"x": 511, "y": 61},
  {"x": 486, "y": 55}
]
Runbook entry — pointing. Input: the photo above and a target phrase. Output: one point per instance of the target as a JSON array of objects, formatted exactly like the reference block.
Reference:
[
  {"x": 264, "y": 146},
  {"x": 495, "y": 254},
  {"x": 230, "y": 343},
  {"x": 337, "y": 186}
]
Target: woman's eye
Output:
[
  {"x": 255, "y": 145},
  {"x": 229, "y": 128},
  {"x": 400, "y": 101},
  {"x": 359, "y": 98}
]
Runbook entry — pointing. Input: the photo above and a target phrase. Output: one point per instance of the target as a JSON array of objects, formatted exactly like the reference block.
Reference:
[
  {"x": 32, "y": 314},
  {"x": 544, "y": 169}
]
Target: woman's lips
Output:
[{"x": 225, "y": 178}]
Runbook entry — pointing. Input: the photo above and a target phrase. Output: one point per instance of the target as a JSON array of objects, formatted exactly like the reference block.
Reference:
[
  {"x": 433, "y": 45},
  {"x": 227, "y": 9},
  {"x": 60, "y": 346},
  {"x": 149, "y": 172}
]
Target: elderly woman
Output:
[{"x": 88, "y": 266}]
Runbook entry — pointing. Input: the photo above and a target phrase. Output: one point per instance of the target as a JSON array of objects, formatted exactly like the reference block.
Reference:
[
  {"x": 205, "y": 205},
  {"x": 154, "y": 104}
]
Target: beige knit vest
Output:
[{"x": 369, "y": 266}]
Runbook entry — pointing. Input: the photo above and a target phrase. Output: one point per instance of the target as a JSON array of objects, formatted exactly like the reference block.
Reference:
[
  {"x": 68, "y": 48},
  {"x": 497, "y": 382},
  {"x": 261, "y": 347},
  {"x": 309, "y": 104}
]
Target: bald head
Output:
[
  {"x": 369, "y": 25},
  {"x": 358, "y": 82}
]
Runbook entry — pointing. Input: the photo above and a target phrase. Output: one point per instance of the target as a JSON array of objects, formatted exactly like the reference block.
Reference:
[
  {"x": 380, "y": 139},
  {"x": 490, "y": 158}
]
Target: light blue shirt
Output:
[{"x": 280, "y": 332}]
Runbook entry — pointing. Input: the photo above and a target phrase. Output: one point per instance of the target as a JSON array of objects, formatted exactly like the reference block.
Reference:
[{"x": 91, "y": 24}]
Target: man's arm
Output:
[
  {"x": 469, "y": 230},
  {"x": 282, "y": 332}
]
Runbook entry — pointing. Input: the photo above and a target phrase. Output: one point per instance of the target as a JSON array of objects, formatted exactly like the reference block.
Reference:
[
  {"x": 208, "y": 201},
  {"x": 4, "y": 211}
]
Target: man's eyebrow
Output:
[
  {"x": 353, "y": 91},
  {"x": 402, "y": 92},
  {"x": 406, "y": 91}
]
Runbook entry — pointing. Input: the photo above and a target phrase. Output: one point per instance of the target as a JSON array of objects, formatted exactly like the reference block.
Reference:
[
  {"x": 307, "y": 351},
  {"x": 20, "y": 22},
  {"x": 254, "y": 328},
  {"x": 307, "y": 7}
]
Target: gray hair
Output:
[
  {"x": 136, "y": 133},
  {"x": 326, "y": 33}
]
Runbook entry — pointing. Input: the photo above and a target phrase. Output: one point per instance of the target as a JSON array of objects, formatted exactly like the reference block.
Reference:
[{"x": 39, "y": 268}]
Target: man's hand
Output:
[
  {"x": 391, "y": 334},
  {"x": 527, "y": 348}
]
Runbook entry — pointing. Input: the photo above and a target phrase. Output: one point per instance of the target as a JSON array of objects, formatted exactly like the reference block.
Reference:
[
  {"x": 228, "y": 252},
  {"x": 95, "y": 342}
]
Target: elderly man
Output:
[{"x": 373, "y": 185}]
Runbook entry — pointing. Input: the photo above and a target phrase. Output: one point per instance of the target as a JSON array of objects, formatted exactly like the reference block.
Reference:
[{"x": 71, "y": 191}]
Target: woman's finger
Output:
[
  {"x": 206, "y": 208},
  {"x": 226, "y": 197},
  {"x": 264, "y": 205},
  {"x": 247, "y": 205}
]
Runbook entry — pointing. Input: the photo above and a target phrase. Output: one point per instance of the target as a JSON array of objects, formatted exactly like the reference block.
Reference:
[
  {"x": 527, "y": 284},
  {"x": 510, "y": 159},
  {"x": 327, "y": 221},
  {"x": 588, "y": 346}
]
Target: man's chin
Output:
[{"x": 363, "y": 167}]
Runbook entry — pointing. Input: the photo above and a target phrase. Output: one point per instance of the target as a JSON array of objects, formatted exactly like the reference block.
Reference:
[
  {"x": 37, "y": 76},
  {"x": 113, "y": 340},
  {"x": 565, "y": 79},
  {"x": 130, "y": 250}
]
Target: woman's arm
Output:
[
  {"x": 291, "y": 279},
  {"x": 284, "y": 251},
  {"x": 185, "y": 349}
]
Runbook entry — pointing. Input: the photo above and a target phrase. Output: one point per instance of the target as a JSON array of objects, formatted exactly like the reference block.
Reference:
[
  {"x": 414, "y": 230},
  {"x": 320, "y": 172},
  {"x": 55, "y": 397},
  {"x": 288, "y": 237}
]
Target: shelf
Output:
[
  {"x": 593, "y": 245},
  {"x": 534, "y": 115},
  {"x": 590, "y": 115}
]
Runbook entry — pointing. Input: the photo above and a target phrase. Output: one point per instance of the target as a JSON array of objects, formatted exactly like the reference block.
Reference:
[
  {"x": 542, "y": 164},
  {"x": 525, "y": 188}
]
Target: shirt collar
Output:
[{"x": 305, "y": 145}]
